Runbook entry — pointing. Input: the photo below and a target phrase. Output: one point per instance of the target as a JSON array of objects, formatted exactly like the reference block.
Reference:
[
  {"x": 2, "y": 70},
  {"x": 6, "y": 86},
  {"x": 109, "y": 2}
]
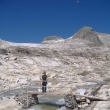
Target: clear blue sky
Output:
[{"x": 28, "y": 21}]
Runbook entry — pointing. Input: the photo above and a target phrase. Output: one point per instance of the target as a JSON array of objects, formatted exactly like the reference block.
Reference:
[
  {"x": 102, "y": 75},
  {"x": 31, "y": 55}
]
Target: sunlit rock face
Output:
[{"x": 9, "y": 104}]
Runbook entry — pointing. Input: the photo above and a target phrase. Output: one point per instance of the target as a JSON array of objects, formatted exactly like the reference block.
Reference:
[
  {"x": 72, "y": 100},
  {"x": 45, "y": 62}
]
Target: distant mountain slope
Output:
[
  {"x": 3, "y": 43},
  {"x": 86, "y": 33},
  {"x": 105, "y": 38}
]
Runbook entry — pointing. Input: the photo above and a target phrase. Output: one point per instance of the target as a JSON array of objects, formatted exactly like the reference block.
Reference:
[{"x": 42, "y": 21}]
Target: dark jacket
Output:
[{"x": 44, "y": 77}]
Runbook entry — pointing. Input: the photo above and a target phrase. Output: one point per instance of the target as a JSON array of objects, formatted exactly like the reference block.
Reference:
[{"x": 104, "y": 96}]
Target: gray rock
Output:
[
  {"x": 3, "y": 51},
  {"x": 51, "y": 38},
  {"x": 88, "y": 101},
  {"x": 70, "y": 102}
]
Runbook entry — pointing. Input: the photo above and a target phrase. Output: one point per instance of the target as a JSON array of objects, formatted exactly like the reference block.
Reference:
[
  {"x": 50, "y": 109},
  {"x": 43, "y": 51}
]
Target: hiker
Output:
[{"x": 44, "y": 81}]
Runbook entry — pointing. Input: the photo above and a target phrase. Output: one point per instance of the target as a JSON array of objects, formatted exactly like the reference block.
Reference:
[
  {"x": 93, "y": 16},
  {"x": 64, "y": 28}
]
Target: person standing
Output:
[{"x": 44, "y": 81}]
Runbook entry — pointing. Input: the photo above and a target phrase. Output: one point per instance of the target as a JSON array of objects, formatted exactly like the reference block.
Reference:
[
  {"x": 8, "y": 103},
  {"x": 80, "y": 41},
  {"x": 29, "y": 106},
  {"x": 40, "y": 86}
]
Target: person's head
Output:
[{"x": 44, "y": 73}]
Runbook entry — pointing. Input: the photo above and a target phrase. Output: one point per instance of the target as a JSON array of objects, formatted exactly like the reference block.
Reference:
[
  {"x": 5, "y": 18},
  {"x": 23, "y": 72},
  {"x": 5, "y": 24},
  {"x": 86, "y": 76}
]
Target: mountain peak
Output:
[
  {"x": 86, "y": 33},
  {"x": 51, "y": 39}
]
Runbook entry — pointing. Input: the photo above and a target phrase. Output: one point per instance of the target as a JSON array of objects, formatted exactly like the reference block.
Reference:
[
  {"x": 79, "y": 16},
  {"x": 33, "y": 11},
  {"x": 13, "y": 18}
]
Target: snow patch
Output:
[{"x": 28, "y": 45}]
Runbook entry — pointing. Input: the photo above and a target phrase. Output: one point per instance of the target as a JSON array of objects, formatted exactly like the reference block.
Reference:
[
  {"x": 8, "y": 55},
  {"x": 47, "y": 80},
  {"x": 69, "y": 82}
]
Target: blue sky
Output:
[{"x": 30, "y": 21}]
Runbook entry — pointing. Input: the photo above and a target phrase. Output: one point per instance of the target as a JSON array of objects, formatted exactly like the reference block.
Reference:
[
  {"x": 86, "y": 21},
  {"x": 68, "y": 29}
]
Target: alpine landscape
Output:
[{"x": 83, "y": 59}]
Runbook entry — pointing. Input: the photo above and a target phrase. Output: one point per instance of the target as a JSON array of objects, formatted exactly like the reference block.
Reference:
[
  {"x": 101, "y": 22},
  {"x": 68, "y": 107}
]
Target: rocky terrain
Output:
[{"x": 82, "y": 58}]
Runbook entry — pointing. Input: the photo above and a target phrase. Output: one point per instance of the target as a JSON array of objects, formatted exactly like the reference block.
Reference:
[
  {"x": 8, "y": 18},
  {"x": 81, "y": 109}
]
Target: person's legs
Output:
[{"x": 43, "y": 86}]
